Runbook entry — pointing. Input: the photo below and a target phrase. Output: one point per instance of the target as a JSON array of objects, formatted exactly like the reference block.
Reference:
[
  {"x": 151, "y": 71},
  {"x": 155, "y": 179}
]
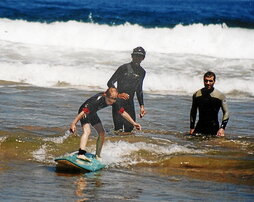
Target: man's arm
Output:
[
  {"x": 225, "y": 117},
  {"x": 193, "y": 114},
  {"x": 140, "y": 96},
  {"x": 114, "y": 78}
]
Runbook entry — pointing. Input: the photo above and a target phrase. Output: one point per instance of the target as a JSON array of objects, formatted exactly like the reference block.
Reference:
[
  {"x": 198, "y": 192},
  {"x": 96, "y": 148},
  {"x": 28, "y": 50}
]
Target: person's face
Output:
[
  {"x": 137, "y": 59},
  {"x": 209, "y": 82},
  {"x": 111, "y": 99}
]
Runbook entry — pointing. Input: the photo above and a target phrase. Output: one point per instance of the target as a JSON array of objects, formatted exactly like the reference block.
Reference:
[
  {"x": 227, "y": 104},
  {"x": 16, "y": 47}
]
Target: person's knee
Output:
[
  {"x": 99, "y": 129},
  {"x": 85, "y": 134},
  {"x": 86, "y": 131},
  {"x": 102, "y": 134}
]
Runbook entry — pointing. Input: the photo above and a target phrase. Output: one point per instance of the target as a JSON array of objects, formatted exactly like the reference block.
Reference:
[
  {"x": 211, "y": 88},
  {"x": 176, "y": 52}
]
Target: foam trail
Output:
[
  {"x": 40, "y": 154},
  {"x": 59, "y": 140},
  {"x": 118, "y": 153}
]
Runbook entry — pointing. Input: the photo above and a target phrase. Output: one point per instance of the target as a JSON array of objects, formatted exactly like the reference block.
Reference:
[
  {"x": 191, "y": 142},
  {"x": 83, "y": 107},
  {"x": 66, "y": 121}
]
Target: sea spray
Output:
[{"x": 122, "y": 153}]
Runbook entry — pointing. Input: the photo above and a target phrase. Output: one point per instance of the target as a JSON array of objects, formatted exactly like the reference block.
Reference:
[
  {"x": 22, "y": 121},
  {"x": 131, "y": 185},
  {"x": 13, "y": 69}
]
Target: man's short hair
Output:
[{"x": 210, "y": 74}]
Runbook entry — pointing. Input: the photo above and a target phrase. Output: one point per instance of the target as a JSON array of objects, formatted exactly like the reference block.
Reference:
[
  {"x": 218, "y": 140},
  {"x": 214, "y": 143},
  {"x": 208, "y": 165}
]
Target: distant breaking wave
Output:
[
  {"x": 85, "y": 55},
  {"x": 209, "y": 40}
]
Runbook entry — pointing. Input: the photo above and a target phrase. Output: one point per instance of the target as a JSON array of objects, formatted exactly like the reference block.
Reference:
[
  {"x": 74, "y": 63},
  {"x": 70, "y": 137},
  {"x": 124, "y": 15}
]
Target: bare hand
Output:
[
  {"x": 142, "y": 112},
  {"x": 137, "y": 126},
  {"x": 73, "y": 128},
  {"x": 221, "y": 132},
  {"x": 192, "y": 131},
  {"x": 123, "y": 96}
]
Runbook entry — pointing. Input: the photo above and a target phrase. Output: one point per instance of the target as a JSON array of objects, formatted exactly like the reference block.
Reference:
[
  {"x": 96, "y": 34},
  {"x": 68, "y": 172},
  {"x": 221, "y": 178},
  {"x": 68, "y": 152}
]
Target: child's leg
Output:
[
  {"x": 83, "y": 141},
  {"x": 101, "y": 136}
]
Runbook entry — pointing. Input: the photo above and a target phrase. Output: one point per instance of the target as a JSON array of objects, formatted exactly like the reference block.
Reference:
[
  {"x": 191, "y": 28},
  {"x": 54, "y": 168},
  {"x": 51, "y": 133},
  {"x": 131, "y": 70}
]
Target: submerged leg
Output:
[
  {"x": 130, "y": 109},
  {"x": 117, "y": 119}
]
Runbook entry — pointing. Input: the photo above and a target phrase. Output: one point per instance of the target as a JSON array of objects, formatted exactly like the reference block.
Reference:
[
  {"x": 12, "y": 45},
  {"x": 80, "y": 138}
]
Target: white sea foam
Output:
[
  {"x": 40, "y": 154},
  {"x": 86, "y": 55},
  {"x": 211, "y": 40},
  {"x": 119, "y": 153},
  {"x": 60, "y": 139},
  {"x": 2, "y": 139}
]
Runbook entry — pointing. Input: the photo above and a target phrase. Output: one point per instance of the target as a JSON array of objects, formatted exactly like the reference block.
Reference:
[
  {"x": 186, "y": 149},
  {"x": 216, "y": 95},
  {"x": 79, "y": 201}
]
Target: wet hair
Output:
[
  {"x": 110, "y": 91},
  {"x": 210, "y": 74}
]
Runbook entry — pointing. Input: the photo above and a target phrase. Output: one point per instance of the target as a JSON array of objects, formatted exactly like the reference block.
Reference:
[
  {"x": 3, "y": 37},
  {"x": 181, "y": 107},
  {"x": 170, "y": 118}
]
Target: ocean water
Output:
[{"x": 56, "y": 54}]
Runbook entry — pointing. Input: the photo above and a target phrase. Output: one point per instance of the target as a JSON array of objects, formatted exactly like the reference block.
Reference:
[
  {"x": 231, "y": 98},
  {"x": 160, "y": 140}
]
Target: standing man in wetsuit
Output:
[
  {"x": 129, "y": 78},
  {"x": 88, "y": 115},
  {"x": 208, "y": 101}
]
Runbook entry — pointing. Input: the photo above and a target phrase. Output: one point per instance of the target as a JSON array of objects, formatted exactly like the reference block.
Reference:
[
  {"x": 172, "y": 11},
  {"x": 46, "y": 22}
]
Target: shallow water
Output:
[
  {"x": 42, "y": 183},
  {"x": 160, "y": 163},
  {"x": 71, "y": 48}
]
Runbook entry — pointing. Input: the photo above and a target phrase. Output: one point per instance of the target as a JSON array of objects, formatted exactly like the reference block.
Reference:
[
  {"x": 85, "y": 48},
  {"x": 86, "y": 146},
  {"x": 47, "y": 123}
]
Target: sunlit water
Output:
[{"x": 160, "y": 163}]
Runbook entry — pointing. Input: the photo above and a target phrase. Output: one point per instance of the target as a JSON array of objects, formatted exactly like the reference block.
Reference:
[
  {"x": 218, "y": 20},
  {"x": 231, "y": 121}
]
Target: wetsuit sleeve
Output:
[
  {"x": 115, "y": 77},
  {"x": 193, "y": 112},
  {"x": 89, "y": 108},
  {"x": 139, "y": 91},
  {"x": 86, "y": 110},
  {"x": 225, "y": 117},
  {"x": 118, "y": 108},
  {"x": 121, "y": 110}
]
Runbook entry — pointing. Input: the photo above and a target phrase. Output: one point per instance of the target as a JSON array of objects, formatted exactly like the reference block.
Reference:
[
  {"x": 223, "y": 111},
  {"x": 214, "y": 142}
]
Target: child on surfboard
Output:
[{"x": 87, "y": 115}]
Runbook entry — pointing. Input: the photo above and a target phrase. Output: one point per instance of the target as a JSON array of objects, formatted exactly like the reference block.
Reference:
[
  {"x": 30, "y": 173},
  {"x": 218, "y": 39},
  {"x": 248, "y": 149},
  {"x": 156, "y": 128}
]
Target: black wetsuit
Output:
[
  {"x": 208, "y": 102},
  {"x": 94, "y": 104},
  {"x": 129, "y": 80}
]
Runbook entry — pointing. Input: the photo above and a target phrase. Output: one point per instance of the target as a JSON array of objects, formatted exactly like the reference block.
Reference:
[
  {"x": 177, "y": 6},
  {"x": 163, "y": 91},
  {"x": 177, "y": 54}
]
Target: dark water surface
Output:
[{"x": 147, "y": 13}]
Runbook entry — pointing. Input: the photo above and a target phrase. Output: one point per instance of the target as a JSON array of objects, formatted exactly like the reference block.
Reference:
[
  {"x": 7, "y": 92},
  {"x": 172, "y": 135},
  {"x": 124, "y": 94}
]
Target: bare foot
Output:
[
  {"x": 83, "y": 157},
  {"x": 98, "y": 158}
]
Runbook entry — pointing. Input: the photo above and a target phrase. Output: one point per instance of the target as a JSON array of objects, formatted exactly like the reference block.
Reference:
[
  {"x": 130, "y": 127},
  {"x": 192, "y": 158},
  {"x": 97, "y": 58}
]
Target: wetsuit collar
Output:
[
  {"x": 134, "y": 64},
  {"x": 207, "y": 91}
]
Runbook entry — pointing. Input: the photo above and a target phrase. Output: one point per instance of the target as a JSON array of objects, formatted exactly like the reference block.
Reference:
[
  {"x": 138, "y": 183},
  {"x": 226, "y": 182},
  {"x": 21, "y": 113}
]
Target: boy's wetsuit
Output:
[
  {"x": 129, "y": 80},
  {"x": 208, "y": 102},
  {"x": 94, "y": 104}
]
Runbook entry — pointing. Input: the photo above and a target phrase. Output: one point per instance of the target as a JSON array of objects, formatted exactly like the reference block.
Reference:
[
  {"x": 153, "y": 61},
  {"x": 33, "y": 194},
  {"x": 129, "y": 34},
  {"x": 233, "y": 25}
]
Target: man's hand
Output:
[
  {"x": 192, "y": 131},
  {"x": 123, "y": 96},
  {"x": 142, "y": 111},
  {"x": 221, "y": 132}
]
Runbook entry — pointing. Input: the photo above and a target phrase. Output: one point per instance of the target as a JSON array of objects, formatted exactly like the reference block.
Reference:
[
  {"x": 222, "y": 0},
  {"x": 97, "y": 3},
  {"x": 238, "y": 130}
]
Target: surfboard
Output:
[{"x": 71, "y": 162}]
